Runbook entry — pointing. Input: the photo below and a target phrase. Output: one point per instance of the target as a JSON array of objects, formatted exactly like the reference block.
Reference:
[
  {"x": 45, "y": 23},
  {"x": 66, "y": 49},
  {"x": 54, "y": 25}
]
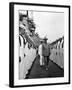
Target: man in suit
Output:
[{"x": 46, "y": 52}]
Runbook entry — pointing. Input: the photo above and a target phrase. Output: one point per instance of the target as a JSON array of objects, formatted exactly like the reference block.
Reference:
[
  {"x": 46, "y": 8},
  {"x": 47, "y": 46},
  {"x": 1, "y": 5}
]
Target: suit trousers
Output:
[{"x": 46, "y": 60}]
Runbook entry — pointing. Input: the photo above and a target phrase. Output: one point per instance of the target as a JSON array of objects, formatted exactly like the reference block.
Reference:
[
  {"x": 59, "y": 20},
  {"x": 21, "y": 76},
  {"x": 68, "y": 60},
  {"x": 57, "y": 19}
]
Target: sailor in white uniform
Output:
[{"x": 40, "y": 54}]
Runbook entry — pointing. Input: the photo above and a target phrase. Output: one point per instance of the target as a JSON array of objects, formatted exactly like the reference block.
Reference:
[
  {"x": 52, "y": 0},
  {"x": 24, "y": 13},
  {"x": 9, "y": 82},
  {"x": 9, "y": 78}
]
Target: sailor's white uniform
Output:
[{"x": 41, "y": 57}]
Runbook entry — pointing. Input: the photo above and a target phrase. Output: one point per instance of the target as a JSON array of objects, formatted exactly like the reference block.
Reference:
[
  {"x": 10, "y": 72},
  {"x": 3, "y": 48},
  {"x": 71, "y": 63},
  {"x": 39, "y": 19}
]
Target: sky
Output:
[{"x": 50, "y": 24}]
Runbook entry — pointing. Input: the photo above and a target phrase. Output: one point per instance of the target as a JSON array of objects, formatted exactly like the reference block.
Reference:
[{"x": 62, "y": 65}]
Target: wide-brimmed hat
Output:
[{"x": 45, "y": 38}]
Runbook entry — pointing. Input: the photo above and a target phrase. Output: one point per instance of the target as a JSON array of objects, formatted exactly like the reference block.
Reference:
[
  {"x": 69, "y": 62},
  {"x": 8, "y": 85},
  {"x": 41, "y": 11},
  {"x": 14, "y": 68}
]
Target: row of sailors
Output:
[
  {"x": 57, "y": 53},
  {"x": 26, "y": 55}
]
